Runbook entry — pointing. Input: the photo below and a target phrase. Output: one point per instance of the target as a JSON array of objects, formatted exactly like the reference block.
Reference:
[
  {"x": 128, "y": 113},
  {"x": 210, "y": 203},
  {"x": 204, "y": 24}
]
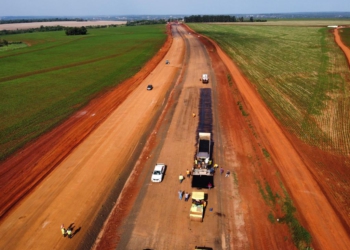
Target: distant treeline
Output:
[
  {"x": 31, "y": 30},
  {"x": 145, "y": 22},
  {"x": 219, "y": 19},
  {"x": 41, "y": 20},
  {"x": 49, "y": 28}
]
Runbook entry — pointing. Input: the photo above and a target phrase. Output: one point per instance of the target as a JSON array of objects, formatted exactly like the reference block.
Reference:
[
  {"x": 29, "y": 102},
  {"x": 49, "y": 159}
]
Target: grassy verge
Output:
[
  {"x": 240, "y": 106},
  {"x": 300, "y": 73},
  {"x": 300, "y": 236},
  {"x": 41, "y": 85}
]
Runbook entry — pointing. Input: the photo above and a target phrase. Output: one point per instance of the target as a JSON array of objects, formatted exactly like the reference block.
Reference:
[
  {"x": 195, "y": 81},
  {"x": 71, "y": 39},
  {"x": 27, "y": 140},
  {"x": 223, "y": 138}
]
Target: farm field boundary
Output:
[
  {"x": 45, "y": 83},
  {"x": 301, "y": 74},
  {"x": 305, "y": 85}
]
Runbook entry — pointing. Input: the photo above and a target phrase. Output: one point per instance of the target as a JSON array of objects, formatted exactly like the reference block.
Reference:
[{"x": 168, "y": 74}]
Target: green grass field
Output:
[
  {"x": 300, "y": 73},
  {"x": 41, "y": 85}
]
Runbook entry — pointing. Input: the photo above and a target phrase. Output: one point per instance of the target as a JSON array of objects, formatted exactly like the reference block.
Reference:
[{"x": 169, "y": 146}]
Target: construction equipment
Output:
[
  {"x": 203, "y": 172},
  {"x": 203, "y": 149},
  {"x": 198, "y": 206}
]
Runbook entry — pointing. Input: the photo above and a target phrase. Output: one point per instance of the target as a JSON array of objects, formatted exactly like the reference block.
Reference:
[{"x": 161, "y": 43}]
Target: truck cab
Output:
[{"x": 205, "y": 78}]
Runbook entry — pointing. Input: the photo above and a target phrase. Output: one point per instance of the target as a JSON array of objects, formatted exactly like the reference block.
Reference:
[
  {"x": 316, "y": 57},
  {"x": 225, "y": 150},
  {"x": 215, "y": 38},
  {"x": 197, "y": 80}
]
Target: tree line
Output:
[
  {"x": 218, "y": 19},
  {"x": 145, "y": 22},
  {"x": 50, "y": 28},
  {"x": 40, "y": 20},
  {"x": 31, "y": 30},
  {"x": 4, "y": 42}
]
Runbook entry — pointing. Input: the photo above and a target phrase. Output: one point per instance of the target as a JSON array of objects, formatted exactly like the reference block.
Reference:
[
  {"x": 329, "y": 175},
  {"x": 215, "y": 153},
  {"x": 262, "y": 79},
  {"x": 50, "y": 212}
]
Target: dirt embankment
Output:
[{"x": 22, "y": 172}]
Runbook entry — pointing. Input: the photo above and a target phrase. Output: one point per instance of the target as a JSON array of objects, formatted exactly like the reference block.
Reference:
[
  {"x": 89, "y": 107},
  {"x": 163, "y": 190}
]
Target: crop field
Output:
[
  {"x": 54, "y": 76},
  {"x": 294, "y": 22},
  {"x": 301, "y": 74},
  {"x": 345, "y": 36}
]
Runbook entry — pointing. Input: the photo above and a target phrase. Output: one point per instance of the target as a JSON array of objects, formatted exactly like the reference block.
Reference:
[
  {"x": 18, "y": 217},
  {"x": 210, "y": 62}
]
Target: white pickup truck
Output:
[{"x": 205, "y": 78}]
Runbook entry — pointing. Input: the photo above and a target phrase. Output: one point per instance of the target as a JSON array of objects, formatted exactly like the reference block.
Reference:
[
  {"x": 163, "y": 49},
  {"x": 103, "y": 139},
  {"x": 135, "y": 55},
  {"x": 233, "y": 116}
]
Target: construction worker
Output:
[
  {"x": 188, "y": 173},
  {"x": 181, "y": 178},
  {"x": 187, "y": 195},
  {"x": 63, "y": 230},
  {"x": 180, "y": 194},
  {"x": 69, "y": 232},
  {"x": 221, "y": 170}
]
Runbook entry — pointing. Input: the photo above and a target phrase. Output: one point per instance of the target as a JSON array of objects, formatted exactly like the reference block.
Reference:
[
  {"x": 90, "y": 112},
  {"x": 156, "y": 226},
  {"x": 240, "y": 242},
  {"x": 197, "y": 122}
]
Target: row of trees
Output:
[
  {"x": 145, "y": 22},
  {"x": 31, "y": 30},
  {"x": 218, "y": 19},
  {"x": 72, "y": 31},
  {"x": 3, "y": 42},
  {"x": 40, "y": 20},
  {"x": 51, "y": 28}
]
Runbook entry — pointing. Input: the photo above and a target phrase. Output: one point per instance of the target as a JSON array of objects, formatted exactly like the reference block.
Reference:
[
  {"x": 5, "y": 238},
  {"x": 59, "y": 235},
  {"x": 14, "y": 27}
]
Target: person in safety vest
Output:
[
  {"x": 69, "y": 232},
  {"x": 63, "y": 230},
  {"x": 181, "y": 178}
]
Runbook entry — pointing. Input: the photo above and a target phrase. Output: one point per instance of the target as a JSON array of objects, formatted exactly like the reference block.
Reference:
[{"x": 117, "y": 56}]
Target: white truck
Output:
[{"x": 205, "y": 78}]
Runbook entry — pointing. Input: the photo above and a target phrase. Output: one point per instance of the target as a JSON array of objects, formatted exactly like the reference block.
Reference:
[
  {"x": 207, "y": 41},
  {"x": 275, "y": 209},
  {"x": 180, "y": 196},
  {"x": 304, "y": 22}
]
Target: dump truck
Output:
[
  {"x": 205, "y": 78},
  {"x": 203, "y": 149},
  {"x": 202, "y": 171},
  {"x": 198, "y": 206}
]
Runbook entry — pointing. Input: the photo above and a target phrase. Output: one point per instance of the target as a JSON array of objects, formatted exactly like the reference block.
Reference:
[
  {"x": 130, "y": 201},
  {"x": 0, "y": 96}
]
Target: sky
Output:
[{"x": 165, "y": 7}]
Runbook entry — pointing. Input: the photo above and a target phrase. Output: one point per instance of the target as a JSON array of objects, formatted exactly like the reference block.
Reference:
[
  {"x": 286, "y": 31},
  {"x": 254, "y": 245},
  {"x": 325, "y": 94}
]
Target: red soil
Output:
[
  {"x": 300, "y": 168},
  {"x": 22, "y": 172}
]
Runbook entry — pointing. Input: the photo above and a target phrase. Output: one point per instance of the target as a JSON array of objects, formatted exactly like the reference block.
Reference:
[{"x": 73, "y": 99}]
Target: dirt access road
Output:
[
  {"x": 239, "y": 216},
  {"x": 85, "y": 184}
]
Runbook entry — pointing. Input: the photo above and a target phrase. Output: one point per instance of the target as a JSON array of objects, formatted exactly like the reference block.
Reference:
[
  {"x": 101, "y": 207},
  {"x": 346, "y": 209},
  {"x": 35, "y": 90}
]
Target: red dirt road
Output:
[
  {"x": 22, "y": 172},
  {"x": 82, "y": 181},
  {"x": 240, "y": 143}
]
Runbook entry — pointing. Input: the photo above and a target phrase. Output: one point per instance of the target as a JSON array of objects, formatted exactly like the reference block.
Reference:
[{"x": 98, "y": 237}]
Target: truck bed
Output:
[
  {"x": 204, "y": 146},
  {"x": 202, "y": 181}
]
